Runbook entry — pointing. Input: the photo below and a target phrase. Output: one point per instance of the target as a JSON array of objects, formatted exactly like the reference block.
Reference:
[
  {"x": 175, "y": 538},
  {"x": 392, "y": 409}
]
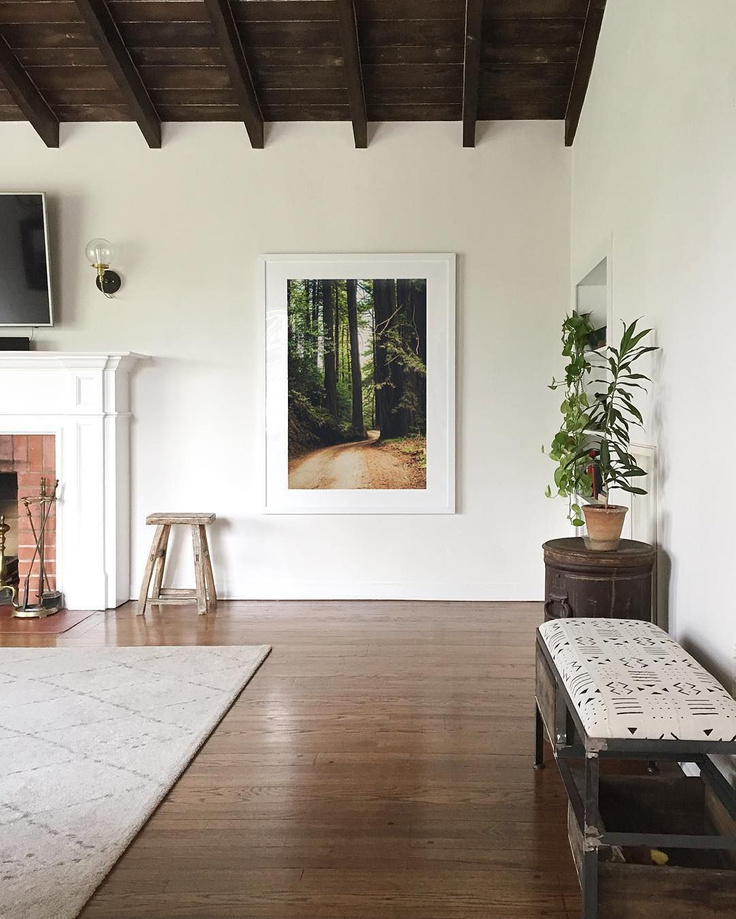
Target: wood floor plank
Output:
[{"x": 378, "y": 766}]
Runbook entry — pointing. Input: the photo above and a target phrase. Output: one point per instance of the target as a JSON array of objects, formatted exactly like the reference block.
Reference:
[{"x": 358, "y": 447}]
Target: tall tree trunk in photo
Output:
[
  {"x": 389, "y": 380},
  {"x": 407, "y": 410},
  {"x": 374, "y": 416},
  {"x": 356, "y": 378},
  {"x": 380, "y": 362},
  {"x": 289, "y": 314},
  {"x": 329, "y": 330},
  {"x": 315, "y": 322},
  {"x": 419, "y": 303},
  {"x": 336, "y": 334}
]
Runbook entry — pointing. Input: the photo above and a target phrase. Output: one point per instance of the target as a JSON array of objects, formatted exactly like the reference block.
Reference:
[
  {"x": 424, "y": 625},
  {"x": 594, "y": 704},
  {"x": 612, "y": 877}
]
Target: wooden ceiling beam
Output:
[
  {"x": 28, "y": 99},
  {"x": 354, "y": 70},
  {"x": 471, "y": 68},
  {"x": 223, "y": 22},
  {"x": 118, "y": 59},
  {"x": 583, "y": 68}
]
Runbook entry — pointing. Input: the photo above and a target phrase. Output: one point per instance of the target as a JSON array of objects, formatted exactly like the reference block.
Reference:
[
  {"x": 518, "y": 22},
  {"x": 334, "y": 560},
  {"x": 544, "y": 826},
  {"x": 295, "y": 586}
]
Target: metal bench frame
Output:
[{"x": 570, "y": 742}]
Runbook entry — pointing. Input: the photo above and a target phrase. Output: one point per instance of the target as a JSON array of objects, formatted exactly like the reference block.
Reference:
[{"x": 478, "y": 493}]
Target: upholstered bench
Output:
[{"x": 624, "y": 689}]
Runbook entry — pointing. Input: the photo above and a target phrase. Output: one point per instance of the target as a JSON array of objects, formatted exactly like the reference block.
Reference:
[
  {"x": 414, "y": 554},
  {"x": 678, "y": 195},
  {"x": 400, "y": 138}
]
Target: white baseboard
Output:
[{"x": 374, "y": 590}]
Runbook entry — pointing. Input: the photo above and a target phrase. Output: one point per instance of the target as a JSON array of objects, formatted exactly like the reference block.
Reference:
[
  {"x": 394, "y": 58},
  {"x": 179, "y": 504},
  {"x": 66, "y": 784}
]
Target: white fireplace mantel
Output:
[{"x": 84, "y": 400}]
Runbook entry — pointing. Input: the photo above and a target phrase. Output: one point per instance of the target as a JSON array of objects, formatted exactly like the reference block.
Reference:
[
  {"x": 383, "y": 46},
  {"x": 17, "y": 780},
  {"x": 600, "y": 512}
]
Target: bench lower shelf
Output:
[{"x": 695, "y": 884}]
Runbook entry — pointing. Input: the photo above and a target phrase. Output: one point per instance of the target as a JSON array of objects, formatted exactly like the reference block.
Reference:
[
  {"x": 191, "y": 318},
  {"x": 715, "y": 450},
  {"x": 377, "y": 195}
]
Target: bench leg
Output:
[
  {"x": 538, "y": 739},
  {"x": 591, "y": 830},
  {"x": 562, "y": 737}
]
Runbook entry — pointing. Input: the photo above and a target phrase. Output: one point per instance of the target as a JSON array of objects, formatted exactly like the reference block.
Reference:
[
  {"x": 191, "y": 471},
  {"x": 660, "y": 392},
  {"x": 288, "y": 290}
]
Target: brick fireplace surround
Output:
[
  {"x": 31, "y": 457},
  {"x": 68, "y": 415}
]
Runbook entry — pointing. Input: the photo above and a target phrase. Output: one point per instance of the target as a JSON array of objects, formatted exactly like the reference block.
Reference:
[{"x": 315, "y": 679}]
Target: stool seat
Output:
[
  {"x": 175, "y": 519},
  {"x": 629, "y": 680},
  {"x": 205, "y": 592}
]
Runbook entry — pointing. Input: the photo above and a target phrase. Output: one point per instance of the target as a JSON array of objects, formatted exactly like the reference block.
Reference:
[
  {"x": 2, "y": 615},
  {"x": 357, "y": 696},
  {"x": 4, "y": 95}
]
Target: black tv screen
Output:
[{"x": 25, "y": 291}]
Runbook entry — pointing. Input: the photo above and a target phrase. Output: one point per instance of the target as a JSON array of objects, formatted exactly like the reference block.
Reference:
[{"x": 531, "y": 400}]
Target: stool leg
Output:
[
  {"x": 148, "y": 572},
  {"x": 199, "y": 570},
  {"x": 158, "y": 568},
  {"x": 208, "y": 574}
]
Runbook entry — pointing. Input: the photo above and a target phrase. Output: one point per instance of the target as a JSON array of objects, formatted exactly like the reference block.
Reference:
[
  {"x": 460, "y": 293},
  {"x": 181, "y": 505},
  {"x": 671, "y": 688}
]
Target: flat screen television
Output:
[{"x": 25, "y": 284}]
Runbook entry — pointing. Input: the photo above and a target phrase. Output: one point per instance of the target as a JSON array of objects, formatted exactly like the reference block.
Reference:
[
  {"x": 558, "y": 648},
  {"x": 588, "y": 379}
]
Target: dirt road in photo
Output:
[{"x": 365, "y": 464}]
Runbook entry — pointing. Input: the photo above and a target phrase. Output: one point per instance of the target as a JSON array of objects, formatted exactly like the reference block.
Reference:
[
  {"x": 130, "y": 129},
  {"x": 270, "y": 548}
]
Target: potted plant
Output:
[{"x": 593, "y": 447}]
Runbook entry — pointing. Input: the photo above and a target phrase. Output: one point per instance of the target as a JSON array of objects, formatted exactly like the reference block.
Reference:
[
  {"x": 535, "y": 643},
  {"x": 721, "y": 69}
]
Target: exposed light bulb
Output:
[{"x": 99, "y": 252}]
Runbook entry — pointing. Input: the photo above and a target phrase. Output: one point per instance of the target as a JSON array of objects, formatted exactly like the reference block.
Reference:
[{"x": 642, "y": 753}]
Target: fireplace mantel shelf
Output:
[{"x": 53, "y": 360}]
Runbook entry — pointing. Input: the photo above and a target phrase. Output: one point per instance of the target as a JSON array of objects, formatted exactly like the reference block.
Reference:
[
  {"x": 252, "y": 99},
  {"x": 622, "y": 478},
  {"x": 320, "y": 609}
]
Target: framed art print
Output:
[{"x": 360, "y": 383}]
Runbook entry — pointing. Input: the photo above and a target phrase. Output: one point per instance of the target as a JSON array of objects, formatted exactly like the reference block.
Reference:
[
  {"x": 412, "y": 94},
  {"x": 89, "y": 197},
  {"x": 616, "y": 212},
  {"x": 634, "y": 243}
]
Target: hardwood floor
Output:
[{"x": 378, "y": 766}]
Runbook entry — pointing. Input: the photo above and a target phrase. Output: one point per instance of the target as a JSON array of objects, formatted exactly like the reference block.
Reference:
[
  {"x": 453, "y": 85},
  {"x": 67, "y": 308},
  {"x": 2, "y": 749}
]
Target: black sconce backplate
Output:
[{"x": 110, "y": 283}]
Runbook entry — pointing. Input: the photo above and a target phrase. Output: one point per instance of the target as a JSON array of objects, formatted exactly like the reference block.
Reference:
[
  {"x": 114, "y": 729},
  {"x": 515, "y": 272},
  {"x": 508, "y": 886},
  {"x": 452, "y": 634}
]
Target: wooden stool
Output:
[{"x": 205, "y": 593}]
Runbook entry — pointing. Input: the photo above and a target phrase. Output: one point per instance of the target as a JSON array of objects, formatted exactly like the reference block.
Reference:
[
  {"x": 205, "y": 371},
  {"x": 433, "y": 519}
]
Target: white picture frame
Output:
[{"x": 439, "y": 495}]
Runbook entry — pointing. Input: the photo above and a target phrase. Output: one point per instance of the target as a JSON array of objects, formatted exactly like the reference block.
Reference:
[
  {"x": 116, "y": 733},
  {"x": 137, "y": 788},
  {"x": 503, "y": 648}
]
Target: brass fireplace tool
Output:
[{"x": 46, "y": 601}]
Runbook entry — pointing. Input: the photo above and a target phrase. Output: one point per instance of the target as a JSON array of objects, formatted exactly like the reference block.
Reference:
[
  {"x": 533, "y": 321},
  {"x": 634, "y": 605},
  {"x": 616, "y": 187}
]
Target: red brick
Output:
[
  {"x": 34, "y": 586},
  {"x": 6, "y": 447},
  {"x": 49, "y": 452},
  {"x": 24, "y": 570},
  {"x": 35, "y": 453},
  {"x": 29, "y": 483},
  {"x": 20, "y": 449}
]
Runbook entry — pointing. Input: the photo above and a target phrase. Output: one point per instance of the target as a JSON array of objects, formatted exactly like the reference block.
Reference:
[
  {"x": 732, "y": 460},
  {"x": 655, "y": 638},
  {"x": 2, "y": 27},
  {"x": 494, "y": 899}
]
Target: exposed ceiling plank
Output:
[
  {"x": 118, "y": 59},
  {"x": 28, "y": 99},
  {"x": 471, "y": 68},
  {"x": 583, "y": 68},
  {"x": 221, "y": 15},
  {"x": 354, "y": 71}
]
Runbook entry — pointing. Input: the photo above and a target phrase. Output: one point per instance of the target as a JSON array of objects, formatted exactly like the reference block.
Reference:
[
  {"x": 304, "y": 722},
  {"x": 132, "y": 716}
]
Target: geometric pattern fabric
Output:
[
  {"x": 629, "y": 679},
  {"x": 90, "y": 742}
]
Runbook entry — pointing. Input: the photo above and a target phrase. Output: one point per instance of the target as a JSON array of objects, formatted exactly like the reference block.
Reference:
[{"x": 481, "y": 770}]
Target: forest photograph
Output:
[{"x": 357, "y": 383}]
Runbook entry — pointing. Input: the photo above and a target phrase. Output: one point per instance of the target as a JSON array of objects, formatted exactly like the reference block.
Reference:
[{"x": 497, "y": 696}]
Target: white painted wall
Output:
[
  {"x": 191, "y": 220},
  {"x": 654, "y": 164}
]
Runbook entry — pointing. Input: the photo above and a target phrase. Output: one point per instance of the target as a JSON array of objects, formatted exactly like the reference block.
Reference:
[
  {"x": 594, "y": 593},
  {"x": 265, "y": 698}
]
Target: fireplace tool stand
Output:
[{"x": 43, "y": 601}]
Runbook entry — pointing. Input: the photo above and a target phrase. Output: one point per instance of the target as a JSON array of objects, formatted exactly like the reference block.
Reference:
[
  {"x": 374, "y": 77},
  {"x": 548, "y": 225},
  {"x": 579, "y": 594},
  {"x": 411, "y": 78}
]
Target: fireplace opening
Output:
[
  {"x": 9, "y": 509},
  {"x": 9, "y": 515}
]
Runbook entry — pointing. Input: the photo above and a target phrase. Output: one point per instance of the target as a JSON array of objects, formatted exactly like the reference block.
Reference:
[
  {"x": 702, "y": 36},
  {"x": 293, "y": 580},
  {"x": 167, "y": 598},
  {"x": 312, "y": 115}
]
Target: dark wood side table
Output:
[{"x": 579, "y": 582}]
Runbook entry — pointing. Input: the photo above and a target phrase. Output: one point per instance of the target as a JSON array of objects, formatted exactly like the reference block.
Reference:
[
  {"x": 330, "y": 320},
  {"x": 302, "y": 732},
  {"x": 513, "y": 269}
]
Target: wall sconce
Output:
[{"x": 99, "y": 254}]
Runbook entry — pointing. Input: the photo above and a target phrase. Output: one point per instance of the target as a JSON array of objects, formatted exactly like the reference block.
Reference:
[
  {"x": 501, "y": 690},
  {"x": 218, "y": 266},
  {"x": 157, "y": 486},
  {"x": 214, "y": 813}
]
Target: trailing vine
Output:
[{"x": 571, "y": 477}]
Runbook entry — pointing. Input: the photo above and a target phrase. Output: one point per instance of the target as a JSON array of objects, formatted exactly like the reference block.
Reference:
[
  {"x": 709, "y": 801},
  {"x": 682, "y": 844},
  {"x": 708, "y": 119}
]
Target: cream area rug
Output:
[{"x": 90, "y": 742}]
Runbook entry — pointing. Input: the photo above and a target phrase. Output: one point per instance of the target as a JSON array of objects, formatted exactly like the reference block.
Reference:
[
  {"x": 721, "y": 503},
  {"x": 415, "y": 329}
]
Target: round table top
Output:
[{"x": 574, "y": 546}]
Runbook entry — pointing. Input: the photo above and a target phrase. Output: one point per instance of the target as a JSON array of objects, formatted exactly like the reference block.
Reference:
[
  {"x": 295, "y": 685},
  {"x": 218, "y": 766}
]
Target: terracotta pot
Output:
[{"x": 604, "y": 525}]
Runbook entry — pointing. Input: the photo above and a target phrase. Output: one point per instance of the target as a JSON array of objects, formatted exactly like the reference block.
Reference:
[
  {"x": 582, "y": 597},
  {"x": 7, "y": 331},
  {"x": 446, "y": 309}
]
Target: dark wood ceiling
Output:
[{"x": 363, "y": 61}]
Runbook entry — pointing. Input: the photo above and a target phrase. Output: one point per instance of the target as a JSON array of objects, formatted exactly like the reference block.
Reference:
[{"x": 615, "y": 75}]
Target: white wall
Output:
[
  {"x": 654, "y": 164},
  {"x": 190, "y": 221}
]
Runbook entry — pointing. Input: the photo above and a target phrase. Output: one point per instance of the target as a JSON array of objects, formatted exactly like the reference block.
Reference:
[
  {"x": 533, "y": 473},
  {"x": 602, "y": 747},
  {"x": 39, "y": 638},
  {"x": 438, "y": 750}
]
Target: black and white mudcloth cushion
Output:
[{"x": 629, "y": 679}]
